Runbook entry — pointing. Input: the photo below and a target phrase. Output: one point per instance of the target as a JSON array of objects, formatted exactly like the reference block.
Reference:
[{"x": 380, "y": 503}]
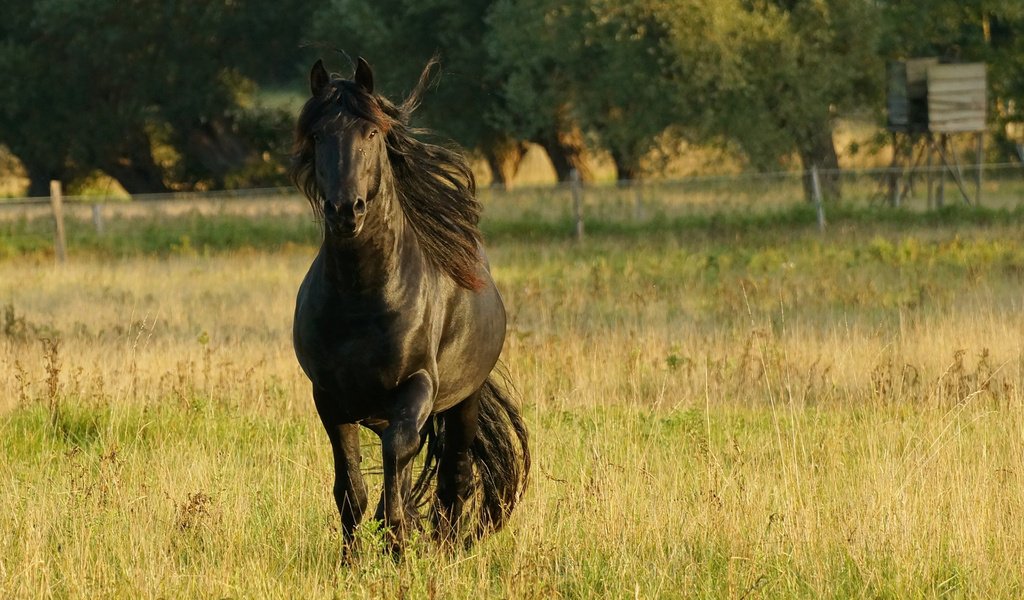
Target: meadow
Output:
[{"x": 719, "y": 406}]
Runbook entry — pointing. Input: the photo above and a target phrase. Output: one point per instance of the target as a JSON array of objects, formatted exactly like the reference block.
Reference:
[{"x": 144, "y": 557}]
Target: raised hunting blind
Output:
[
  {"x": 928, "y": 102},
  {"x": 907, "y": 100}
]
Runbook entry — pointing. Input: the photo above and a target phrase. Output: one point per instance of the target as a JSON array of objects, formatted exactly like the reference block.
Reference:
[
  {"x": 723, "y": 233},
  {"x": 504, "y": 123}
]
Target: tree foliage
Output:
[
  {"x": 99, "y": 84},
  {"x": 598, "y": 70},
  {"x": 766, "y": 77},
  {"x": 159, "y": 95},
  {"x": 399, "y": 36},
  {"x": 533, "y": 49}
]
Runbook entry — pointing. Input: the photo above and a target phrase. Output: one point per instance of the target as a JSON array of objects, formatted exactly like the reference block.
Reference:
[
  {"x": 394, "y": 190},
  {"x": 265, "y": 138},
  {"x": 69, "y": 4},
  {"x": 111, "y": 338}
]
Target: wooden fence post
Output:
[
  {"x": 57, "y": 202},
  {"x": 638, "y": 201},
  {"x": 818, "y": 204},
  {"x": 576, "y": 185},
  {"x": 97, "y": 218}
]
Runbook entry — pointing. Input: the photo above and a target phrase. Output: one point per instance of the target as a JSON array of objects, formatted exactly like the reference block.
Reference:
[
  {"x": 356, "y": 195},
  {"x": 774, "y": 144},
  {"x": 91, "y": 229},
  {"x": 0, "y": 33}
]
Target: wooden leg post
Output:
[{"x": 979, "y": 160}]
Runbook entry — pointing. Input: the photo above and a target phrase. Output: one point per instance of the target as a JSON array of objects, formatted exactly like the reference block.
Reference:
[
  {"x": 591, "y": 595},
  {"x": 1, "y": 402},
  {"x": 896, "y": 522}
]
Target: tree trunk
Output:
[
  {"x": 135, "y": 168},
  {"x": 819, "y": 150},
  {"x": 504, "y": 158},
  {"x": 217, "y": 149},
  {"x": 39, "y": 177},
  {"x": 39, "y": 183},
  {"x": 567, "y": 152},
  {"x": 136, "y": 179},
  {"x": 626, "y": 171}
]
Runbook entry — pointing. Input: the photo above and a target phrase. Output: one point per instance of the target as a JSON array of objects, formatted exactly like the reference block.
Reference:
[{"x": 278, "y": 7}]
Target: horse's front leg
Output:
[
  {"x": 400, "y": 440},
  {"x": 349, "y": 487}
]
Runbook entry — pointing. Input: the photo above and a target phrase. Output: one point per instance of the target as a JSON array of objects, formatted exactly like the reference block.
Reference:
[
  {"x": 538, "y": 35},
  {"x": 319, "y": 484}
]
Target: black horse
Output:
[{"x": 398, "y": 324}]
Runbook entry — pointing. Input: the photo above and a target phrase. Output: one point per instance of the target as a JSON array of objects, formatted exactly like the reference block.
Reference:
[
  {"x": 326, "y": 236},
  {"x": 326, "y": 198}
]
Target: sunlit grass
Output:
[{"x": 714, "y": 412}]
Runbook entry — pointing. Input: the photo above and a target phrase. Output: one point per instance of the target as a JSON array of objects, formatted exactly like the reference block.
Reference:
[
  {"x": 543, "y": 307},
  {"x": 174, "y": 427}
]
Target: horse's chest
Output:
[{"x": 364, "y": 355}]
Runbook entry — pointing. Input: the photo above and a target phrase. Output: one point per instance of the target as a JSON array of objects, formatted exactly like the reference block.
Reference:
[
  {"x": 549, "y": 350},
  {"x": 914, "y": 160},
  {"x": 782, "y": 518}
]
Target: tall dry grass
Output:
[{"x": 745, "y": 416}]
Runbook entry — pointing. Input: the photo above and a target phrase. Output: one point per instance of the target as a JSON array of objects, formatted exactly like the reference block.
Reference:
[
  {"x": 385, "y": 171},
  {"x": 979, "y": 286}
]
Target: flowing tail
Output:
[
  {"x": 501, "y": 455},
  {"x": 501, "y": 459}
]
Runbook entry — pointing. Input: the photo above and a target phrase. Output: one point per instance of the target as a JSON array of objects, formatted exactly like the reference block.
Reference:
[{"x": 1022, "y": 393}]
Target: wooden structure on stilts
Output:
[{"x": 928, "y": 104}]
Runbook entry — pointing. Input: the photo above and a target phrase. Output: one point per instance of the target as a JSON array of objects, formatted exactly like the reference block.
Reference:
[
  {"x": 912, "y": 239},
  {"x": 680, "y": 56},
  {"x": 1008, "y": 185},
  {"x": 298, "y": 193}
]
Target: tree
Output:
[
  {"x": 630, "y": 98},
  {"x": 767, "y": 77},
  {"x": 531, "y": 49},
  {"x": 775, "y": 75},
  {"x": 399, "y": 36},
  {"x": 101, "y": 83}
]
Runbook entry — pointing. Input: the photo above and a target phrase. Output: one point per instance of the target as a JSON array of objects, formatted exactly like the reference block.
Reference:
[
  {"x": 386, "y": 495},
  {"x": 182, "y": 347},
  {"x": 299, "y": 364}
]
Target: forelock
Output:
[{"x": 352, "y": 99}]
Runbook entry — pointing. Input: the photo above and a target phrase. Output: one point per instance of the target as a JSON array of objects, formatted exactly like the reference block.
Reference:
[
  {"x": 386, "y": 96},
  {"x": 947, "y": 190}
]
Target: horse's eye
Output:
[{"x": 372, "y": 133}]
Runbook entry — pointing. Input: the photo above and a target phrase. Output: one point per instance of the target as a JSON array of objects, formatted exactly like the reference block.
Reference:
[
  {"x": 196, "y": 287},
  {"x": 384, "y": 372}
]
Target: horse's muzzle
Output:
[
  {"x": 344, "y": 227},
  {"x": 345, "y": 219}
]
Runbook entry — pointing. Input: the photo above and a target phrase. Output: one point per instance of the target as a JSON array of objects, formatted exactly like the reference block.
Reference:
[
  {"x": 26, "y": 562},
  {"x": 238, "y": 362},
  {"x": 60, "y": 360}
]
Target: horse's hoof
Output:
[{"x": 348, "y": 555}]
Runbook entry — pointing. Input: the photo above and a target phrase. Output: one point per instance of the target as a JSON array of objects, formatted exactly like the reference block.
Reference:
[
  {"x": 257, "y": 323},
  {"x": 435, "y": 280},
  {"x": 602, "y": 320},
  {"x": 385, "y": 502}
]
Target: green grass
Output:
[
  {"x": 626, "y": 500},
  {"x": 192, "y": 233},
  {"x": 162, "y": 236}
]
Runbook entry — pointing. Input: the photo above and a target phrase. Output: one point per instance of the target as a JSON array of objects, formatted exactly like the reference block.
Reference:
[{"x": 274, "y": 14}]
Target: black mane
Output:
[{"x": 435, "y": 185}]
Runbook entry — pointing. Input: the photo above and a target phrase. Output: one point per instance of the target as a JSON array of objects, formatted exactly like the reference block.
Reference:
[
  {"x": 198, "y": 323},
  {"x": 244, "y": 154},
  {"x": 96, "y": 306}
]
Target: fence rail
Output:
[
  {"x": 243, "y": 194},
  {"x": 731, "y": 181},
  {"x": 917, "y": 189}
]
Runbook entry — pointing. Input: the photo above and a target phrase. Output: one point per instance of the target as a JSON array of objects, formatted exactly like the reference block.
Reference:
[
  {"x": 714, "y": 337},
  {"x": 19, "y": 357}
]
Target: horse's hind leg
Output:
[{"x": 455, "y": 471}]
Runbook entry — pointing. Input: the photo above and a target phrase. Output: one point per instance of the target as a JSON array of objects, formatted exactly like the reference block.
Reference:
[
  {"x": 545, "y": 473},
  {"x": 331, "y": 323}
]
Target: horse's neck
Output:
[{"x": 380, "y": 258}]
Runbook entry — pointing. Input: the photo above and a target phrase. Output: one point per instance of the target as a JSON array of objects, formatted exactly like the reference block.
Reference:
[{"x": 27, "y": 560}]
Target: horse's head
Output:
[
  {"x": 356, "y": 154},
  {"x": 340, "y": 148}
]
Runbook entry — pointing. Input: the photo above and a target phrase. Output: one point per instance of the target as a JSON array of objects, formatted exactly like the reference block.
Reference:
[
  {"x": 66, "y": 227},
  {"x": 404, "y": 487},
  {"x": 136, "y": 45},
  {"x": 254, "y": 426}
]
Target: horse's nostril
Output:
[{"x": 359, "y": 206}]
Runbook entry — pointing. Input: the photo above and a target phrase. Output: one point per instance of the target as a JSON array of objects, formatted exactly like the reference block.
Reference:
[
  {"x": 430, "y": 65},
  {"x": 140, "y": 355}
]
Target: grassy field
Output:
[{"x": 728, "y": 406}]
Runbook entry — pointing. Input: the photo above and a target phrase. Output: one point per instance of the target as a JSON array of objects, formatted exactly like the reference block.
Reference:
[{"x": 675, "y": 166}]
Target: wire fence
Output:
[
  {"x": 994, "y": 186},
  {"x": 999, "y": 186}
]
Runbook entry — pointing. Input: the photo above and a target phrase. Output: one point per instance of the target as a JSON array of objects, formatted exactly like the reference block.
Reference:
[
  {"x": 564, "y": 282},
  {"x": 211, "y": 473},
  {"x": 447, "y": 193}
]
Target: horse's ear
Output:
[
  {"x": 364, "y": 74},
  {"x": 318, "y": 78}
]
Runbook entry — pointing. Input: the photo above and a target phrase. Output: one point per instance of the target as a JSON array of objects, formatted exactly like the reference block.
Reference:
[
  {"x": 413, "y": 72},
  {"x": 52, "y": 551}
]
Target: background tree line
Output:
[{"x": 162, "y": 95}]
